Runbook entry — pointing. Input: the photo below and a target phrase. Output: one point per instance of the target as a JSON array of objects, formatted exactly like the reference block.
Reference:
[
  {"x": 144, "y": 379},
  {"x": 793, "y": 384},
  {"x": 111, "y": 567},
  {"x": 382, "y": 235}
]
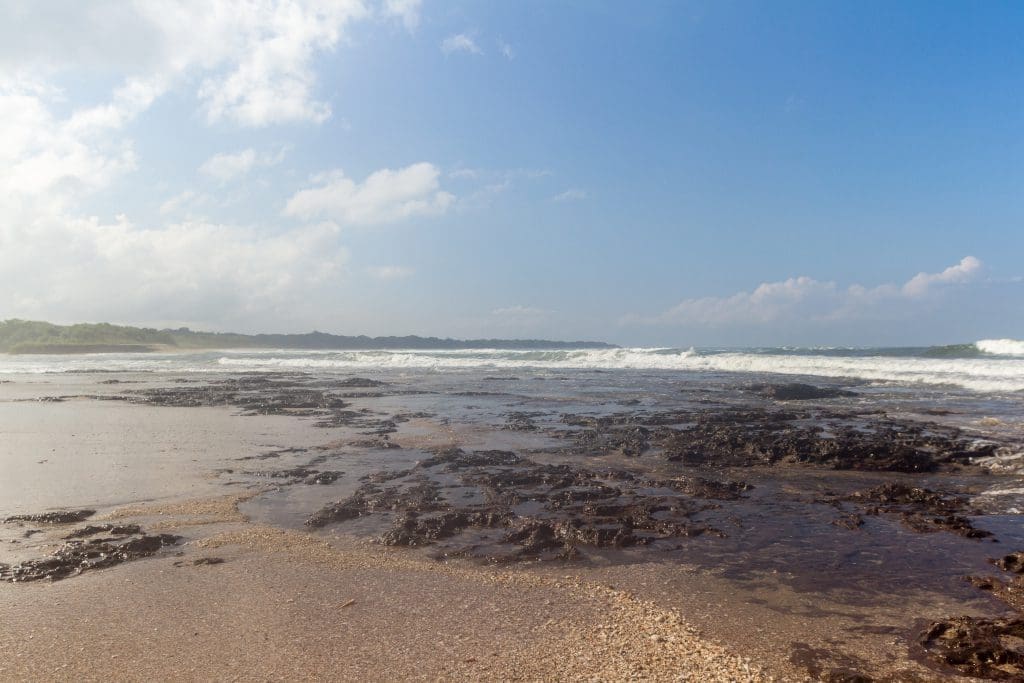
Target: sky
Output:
[{"x": 660, "y": 173}]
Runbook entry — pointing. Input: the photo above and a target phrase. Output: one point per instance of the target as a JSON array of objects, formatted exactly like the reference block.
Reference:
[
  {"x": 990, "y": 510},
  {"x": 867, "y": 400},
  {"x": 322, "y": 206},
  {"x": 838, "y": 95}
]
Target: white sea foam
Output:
[
  {"x": 984, "y": 374},
  {"x": 1003, "y": 492},
  {"x": 975, "y": 374},
  {"x": 1001, "y": 347}
]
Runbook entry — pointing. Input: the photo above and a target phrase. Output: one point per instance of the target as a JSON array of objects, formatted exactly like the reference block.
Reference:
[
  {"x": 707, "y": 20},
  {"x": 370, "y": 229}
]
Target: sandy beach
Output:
[
  {"x": 250, "y": 592},
  {"x": 282, "y": 605}
]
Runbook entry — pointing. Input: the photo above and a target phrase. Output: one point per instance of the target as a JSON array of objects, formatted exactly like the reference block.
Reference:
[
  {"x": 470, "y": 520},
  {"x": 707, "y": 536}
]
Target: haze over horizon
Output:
[{"x": 669, "y": 174}]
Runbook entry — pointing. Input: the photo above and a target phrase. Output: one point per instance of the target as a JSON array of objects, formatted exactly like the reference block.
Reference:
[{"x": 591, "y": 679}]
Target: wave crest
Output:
[
  {"x": 976, "y": 374},
  {"x": 1001, "y": 347}
]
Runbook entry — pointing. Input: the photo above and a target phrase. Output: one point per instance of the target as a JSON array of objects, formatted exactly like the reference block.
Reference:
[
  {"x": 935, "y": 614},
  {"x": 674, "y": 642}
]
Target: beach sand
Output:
[
  {"x": 283, "y": 604},
  {"x": 271, "y": 603}
]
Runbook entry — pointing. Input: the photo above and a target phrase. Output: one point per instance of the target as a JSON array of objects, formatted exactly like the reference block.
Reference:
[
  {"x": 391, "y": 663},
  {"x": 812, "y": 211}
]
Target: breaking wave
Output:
[
  {"x": 995, "y": 366},
  {"x": 975, "y": 374},
  {"x": 1001, "y": 347}
]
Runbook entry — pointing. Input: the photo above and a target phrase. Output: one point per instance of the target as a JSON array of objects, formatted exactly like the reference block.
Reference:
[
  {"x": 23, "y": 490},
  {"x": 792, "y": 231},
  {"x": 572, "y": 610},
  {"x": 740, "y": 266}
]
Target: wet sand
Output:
[
  {"x": 283, "y": 605},
  {"x": 288, "y": 602}
]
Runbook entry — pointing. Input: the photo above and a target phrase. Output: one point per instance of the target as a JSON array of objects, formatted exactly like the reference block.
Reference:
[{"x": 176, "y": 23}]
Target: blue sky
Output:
[{"x": 677, "y": 173}]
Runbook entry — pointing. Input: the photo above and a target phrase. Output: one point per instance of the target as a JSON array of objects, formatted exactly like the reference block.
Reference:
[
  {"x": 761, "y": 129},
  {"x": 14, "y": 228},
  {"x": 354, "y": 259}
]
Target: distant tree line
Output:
[{"x": 29, "y": 336}]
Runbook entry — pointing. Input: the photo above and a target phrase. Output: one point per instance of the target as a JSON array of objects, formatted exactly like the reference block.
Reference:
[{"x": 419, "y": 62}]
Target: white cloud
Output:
[
  {"x": 247, "y": 62},
  {"x": 385, "y": 196},
  {"x": 961, "y": 272},
  {"x": 390, "y": 272},
  {"x": 225, "y": 166},
  {"x": 506, "y": 50},
  {"x": 269, "y": 76},
  {"x": 573, "y": 194},
  {"x": 178, "y": 201},
  {"x": 804, "y": 298},
  {"x": 252, "y": 59},
  {"x": 460, "y": 42},
  {"x": 406, "y": 10},
  {"x": 64, "y": 267},
  {"x": 41, "y": 154},
  {"x": 770, "y": 301}
]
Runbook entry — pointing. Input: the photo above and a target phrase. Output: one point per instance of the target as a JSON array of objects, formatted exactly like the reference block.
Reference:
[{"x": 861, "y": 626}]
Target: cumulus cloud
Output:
[
  {"x": 961, "y": 272},
  {"x": 249, "y": 61},
  {"x": 227, "y": 166},
  {"x": 460, "y": 42},
  {"x": 385, "y": 196},
  {"x": 268, "y": 77},
  {"x": 804, "y": 298},
  {"x": 41, "y": 153}
]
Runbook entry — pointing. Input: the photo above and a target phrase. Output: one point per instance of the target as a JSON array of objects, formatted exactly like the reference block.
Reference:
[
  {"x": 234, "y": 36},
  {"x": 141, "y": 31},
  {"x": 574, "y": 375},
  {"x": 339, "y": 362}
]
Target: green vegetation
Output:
[{"x": 25, "y": 336}]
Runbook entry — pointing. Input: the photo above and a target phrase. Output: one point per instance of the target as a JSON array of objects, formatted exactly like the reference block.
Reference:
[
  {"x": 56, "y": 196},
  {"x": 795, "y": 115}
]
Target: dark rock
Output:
[
  {"x": 359, "y": 382},
  {"x": 700, "y": 487},
  {"x": 63, "y": 517},
  {"x": 852, "y": 521},
  {"x": 368, "y": 498},
  {"x": 743, "y": 438},
  {"x": 520, "y": 422},
  {"x": 112, "y": 529},
  {"x": 535, "y": 537},
  {"x": 986, "y": 648},
  {"x": 921, "y": 510},
  {"x": 413, "y": 530},
  {"x": 1014, "y": 562},
  {"x": 901, "y": 494},
  {"x": 629, "y": 441},
  {"x": 75, "y": 557}
]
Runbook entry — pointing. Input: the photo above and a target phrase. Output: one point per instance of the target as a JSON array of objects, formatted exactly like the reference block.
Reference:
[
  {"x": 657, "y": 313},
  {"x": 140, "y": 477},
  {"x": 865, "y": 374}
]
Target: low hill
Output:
[{"x": 27, "y": 336}]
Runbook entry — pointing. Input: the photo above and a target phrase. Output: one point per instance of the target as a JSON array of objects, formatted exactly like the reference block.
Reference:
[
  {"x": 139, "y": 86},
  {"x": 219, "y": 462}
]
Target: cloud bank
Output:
[
  {"x": 247, "y": 64},
  {"x": 801, "y": 299}
]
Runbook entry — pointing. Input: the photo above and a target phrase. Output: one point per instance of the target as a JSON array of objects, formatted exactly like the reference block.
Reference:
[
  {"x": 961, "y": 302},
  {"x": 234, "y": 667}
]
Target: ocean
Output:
[
  {"x": 978, "y": 387},
  {"x": 993, "y": 367}
]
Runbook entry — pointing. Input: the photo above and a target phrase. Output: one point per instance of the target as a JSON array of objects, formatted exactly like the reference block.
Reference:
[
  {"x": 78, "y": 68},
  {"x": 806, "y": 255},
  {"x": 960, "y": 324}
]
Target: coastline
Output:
[
  {"x": 230, "y": 482},
  {"x": 285, "y": 603}
]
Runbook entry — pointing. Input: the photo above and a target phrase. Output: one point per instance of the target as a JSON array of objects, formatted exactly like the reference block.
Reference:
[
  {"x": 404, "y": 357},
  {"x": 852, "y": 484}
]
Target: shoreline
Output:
[{"x": 257, "y": 441}]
